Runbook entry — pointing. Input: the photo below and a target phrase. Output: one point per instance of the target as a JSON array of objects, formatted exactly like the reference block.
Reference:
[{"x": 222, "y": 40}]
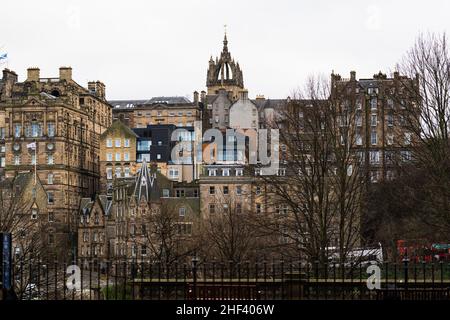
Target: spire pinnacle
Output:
[{"x": 225, "y": 40}]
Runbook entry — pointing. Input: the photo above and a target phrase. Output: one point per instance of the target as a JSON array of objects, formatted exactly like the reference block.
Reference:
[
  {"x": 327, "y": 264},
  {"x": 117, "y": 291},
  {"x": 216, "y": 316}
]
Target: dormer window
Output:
[{"x": 34, "y": 213}]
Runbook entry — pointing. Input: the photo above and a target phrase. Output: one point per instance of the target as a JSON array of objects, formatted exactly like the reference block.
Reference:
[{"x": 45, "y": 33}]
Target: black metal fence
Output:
[{"x": 197, "y": 280}]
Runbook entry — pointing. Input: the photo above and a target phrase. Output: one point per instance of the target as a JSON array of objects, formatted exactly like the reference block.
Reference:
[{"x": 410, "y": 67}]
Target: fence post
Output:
[
  {"x": 405, "y": 265},
  {"x": 194, "y": 275}
]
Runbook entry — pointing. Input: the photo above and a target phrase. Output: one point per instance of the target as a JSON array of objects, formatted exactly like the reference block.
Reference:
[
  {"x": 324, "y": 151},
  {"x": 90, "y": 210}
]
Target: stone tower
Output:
[{"x": 224, "y": 73}]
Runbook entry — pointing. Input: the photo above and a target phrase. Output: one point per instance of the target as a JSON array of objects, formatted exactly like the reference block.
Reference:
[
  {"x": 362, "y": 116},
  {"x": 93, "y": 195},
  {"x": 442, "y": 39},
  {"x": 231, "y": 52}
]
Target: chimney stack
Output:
[
  {"x": 195, "y": 97},
  {"x": 203, "y": 96},
  {"x": 244, "y": 94},
  {"x": 97, "y": 88},
  {"x": 9, "y": 79},
  {"x": 65, "y": 73},
  {"x": 33, "y": 74}
]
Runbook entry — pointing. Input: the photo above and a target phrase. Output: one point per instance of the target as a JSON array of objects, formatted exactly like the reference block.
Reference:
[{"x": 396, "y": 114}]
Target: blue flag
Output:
[{"x": 3, "y": 56}]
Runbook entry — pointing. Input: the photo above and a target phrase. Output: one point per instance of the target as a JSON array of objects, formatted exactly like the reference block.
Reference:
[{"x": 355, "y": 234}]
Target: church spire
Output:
[{"x": 225, "y": 40}]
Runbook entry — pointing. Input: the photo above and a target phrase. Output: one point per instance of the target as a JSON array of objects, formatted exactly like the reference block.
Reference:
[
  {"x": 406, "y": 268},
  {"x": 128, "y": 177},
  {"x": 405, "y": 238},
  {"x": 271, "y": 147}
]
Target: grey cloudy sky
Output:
[{"x": 141, "y": 49}]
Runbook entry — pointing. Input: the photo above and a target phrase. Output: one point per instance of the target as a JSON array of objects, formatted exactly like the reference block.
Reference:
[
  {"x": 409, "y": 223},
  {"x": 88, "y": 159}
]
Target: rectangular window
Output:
[
  {"x": 50, "y": 129},
  {"x": 2, "y": 162},
  {"x": 258, "y": 208},
  {"x": 126, "y": 156},
  {"x": 179, "y": 193},
  {"x": 374, "y": 176},
  {"x": 144, "y": 145},
  {"x": 117, "y": 156},
  {"x": 2, "y": 133},
  {"x": 389, "y": 156},
  {"x": 239, "y": 172},
  {"x": 212, "y": 208},
  {"x": 50, "y": 178},
  {"x": 225, "y": 190},
  {"x": 126, "y": 172},
  {"x": 238, "y": 190},
  {"x": 33, "y": 159},
  {"x": 226, "y": 172},
  {"x": 166, "y": 193},
  {"x": 182, "y": 211},
  {"x": 158, "y": 156},
  {"x": 374, "y": 157},
  {"x": 50, "y": 159},
  {"x": 258, "y": 191},
  {"x": 36, "y": 130},
  {"x": 16, "y": 160},
  {"x": 373, "y": 138},
  {"x": 390, "y": 119},
  {"x": 118, "y": 172},
  {"x": 358, "y": 139},
  {"x": 109, "y": 173},
  {"x": 390, "y": 103},
  {"x": 373, "y": 120},
  {"x": 109, "y": 143},
  {"x": 406, "y": 155},
  {"x": 117, "y": 143},
  {"x": 50, "y": 198},
  {"x": 212, "y": 172},
  {"x": 109, "y": 157},
  {"x": 173, "y": 173},
  {"x": 358, "y": 119},
  {"x": 407, "y": 138},
  {"x": 212, "y": 190},
  {"x": 126, "y": 143},
  {"x": 373, "y": 103},
  {"x": 17, "y": 130},
  {"x": 390, "y": 139}
]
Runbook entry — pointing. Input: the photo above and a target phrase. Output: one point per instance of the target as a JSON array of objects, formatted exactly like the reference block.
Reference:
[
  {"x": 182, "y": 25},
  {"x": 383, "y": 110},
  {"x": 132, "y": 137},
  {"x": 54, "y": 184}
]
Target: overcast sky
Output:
[{"x": 141, "y": 49}]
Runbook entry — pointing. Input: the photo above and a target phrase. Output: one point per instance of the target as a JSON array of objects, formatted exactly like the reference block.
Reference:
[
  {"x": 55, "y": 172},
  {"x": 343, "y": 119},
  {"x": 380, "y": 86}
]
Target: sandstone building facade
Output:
[{"x": 65, "y": 121}]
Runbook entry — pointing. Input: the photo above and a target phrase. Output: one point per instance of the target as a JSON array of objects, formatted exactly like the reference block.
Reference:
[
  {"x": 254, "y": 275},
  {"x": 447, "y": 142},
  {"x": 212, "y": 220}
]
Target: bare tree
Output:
[
  {"x": 29, "y": 227},
  {"x": 166, "y": 236},
  {"x": 428, "y": 120},
  {"x": 317, "y": 197},
  {"x": 227, "y": 234}
]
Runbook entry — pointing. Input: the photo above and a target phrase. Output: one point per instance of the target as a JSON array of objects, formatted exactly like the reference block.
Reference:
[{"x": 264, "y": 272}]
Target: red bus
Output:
[{"x": 420, "y": 250}]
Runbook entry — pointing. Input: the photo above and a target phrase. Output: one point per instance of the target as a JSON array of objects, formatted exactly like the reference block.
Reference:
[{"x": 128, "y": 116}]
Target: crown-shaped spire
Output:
[{"x": 225, "y": 43}]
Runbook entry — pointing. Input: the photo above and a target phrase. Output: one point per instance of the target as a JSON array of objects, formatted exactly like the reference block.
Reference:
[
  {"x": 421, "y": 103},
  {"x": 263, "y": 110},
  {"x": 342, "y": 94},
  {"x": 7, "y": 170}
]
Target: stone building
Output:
[
  {"x": 178, "y": 111},
  {"x": 123, "y": 150},
  {"x": 95, "y": 221},
  {"x": 146, "y": 218},
  {"x": 117, "y": 155},
  {"x": 25, "y": 213},
  {"x": 65, "y": 121},
  {"x": 381, "y": 103}
]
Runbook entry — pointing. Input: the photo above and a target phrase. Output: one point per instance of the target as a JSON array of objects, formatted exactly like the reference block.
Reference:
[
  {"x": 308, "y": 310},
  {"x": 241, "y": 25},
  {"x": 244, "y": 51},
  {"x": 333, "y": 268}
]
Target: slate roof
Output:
[
  {"x": 129, "y": 104},
  {"x": 118, "y": 126},
  {"x": 86, "y": 204}
]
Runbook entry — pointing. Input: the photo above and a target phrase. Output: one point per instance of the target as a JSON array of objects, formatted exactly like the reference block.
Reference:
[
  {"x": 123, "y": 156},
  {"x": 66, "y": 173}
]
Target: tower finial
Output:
[{"x": 225, "y": 40}]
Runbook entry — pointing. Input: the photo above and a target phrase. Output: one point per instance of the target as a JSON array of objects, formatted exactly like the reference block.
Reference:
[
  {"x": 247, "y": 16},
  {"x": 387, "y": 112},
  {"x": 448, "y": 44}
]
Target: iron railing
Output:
[{"x": 94, "y": 279}]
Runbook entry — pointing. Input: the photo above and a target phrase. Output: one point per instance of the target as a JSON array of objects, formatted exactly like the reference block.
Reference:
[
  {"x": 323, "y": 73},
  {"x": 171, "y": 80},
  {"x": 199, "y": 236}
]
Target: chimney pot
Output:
[
  {"x": 65, "y": 73},
  {"x": 33, "y": 74}
]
